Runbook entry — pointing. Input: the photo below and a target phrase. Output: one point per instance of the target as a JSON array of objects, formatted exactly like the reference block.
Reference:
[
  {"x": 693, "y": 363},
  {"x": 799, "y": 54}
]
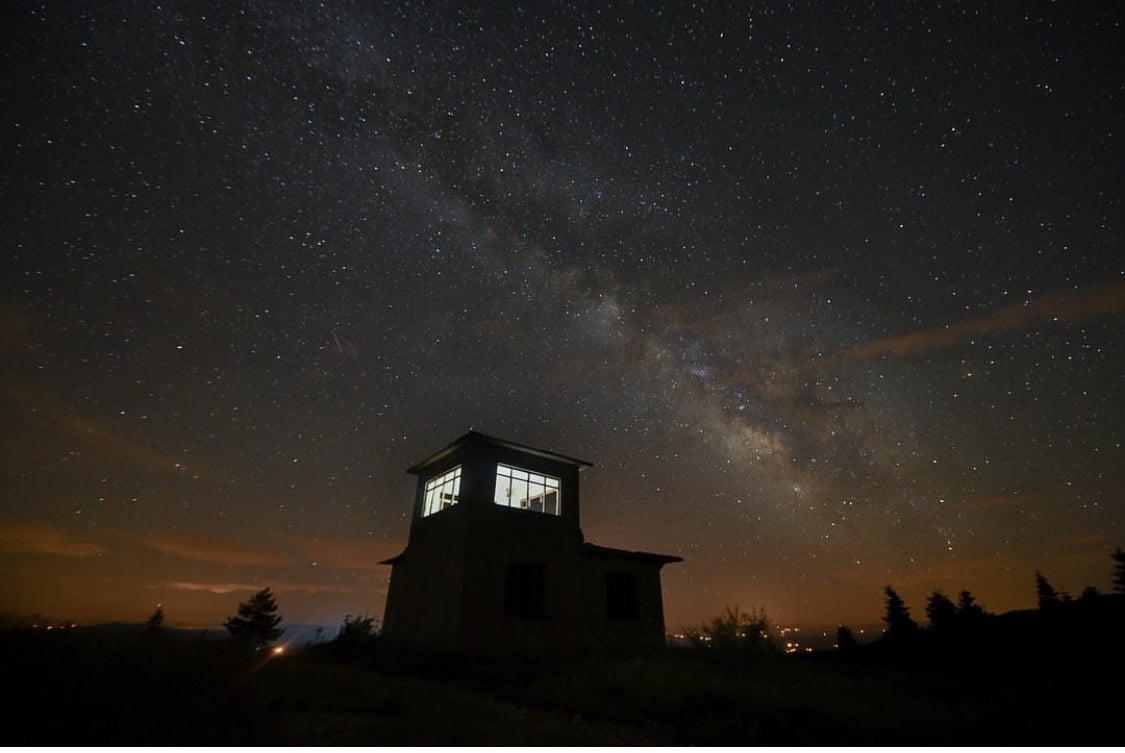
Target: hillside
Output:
[{"x": 126, "y": 688}]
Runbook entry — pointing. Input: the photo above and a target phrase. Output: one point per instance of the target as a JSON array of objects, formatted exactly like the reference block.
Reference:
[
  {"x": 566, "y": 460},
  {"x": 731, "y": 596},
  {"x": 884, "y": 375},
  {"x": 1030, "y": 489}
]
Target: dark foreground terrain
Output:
[{"x": 100, "y": 687}]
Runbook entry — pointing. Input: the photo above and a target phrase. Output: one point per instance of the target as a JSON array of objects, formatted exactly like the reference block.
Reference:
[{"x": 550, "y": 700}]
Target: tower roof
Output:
[{"x": 476, "y": 438}]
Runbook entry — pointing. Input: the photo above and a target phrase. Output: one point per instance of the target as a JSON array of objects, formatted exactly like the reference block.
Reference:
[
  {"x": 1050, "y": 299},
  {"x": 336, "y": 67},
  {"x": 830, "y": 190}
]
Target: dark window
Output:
[
  {"x": 525, "y": 591},
  {"x": 620, "y": 596}
]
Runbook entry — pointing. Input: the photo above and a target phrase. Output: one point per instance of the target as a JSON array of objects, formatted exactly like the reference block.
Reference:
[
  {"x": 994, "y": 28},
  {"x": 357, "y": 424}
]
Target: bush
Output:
[{"x": 747, "y": 632}]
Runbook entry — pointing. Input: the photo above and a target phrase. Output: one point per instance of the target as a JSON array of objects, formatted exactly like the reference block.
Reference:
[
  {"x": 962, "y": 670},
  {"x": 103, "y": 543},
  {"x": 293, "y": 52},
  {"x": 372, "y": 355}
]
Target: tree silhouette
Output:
[
  {"x": 1118, "y": 571},
  {"x": 1046, "y": 593},
  {"x": 356, "y": 643},
  {"x": 845, "y": 639},
  {"x": 735, "y": 630},
  {"x": 967, "y": 605},
  {"x": 156, "y": 620},
  {"x": 941, "y": 612},
  {"x": 257, "y": 622},
  {"x": 969, "y": 613},
  {"x": 356, "y": 630},
  {"x": 899, "y": 623},
  {"x": 1090, "y": 594}
]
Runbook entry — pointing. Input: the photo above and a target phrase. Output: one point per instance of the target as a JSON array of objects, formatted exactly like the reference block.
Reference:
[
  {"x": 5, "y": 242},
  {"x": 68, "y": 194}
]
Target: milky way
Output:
[{"x": 831, "y": 296}]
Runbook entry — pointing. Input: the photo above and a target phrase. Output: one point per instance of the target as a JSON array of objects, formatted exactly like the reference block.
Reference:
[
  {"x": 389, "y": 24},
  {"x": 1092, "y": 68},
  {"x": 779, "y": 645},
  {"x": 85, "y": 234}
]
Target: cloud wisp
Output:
[
  {"x": 45, "y": 540},
  {"x": 1067, "y": 305},
  {"x": 213, "y": 549}
]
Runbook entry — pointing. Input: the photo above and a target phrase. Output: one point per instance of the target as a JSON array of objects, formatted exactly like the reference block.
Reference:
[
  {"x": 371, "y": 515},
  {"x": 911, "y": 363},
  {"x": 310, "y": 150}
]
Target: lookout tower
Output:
[{"x": 496, "y": 559}]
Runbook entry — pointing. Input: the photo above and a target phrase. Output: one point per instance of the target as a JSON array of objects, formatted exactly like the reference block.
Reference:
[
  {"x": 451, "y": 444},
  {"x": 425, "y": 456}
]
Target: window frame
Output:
[
  {"x": 441, "y": 492},
  {"x": 542, "y": 493}
]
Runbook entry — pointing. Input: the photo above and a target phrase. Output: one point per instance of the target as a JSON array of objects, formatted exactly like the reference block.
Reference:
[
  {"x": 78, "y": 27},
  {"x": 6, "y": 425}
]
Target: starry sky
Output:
[{"x": 831, "y": 294}]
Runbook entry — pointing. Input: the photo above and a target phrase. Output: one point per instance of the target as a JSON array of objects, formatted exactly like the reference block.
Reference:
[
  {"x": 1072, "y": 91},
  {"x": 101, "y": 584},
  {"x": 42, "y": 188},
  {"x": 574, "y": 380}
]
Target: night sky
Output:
[{"x": 832, "y": 295}]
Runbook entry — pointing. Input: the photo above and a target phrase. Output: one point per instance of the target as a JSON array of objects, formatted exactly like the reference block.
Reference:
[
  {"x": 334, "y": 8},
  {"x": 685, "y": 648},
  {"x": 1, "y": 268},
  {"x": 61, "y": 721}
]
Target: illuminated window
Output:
[
  {"x": 525, "y": 591},
  {"x": 442, "y": 491},
  {"x": 525, "y": 490}
]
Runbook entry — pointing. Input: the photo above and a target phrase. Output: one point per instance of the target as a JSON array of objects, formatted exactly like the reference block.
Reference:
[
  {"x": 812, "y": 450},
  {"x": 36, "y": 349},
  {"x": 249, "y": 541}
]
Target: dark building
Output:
[{"x": 496, "y": 559}]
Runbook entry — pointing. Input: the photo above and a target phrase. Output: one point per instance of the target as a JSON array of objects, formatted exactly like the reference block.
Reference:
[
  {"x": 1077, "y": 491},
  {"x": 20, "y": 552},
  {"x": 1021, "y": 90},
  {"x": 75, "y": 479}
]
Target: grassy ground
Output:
[{"x": 91, "y": 688}]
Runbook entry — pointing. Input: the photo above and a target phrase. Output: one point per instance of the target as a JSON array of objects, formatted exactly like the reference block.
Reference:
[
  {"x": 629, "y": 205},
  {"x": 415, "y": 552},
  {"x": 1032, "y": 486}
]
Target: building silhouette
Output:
[{"x": 496, "y": 559}]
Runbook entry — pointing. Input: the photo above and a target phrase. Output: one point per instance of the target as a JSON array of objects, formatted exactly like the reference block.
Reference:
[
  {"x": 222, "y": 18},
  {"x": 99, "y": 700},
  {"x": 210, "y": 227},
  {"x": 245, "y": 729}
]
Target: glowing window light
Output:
[{"x": 526, "y": 490}]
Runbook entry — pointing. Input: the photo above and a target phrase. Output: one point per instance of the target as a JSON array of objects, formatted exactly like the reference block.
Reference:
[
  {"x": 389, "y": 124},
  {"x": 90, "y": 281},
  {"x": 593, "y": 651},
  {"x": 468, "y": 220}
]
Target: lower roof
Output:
[{"x": 605, "y": 551}]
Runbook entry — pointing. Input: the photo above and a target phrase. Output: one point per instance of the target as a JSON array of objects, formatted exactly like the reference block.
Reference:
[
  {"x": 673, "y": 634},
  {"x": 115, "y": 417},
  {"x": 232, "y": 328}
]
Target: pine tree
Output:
[
  {"x": 1046, "y": 593},
  {"x": 969, "y": 613},
  {"x": 156, "y": 620},
  {"x": 1118, "y": 571},
  {"x": 941, "y": 612},
  {"x": 257, "y": 621},
  {"x": 899, "y": 623}
]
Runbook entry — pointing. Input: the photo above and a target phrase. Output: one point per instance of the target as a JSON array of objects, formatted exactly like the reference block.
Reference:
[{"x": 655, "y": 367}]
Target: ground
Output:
[{"x": 131, "y": 688}]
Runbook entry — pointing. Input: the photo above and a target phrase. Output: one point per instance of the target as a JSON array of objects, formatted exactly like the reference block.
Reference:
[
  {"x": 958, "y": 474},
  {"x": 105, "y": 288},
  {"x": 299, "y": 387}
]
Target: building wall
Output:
[
  {"x": 449, "y": 588},
  {"x": 424, "y": 597},
  {"x": 517, "y": 537},
  {"x": 449, "y": 591}
]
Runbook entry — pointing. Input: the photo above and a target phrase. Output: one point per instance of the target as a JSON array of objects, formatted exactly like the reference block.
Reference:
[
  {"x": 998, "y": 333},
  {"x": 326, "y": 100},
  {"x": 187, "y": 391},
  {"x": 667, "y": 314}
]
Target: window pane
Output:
[
  {"x": 519, "y": 493},
  {"x": 442, "y": 491},
  {"x": 524, "y": 490},
  {"x": 503, "y": 491}
]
